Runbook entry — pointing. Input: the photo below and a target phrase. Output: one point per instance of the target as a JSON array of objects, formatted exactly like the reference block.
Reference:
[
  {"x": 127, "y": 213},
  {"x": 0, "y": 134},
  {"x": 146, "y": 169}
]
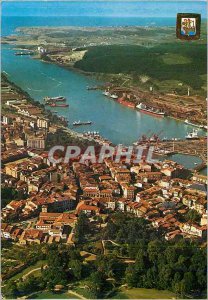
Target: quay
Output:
[
  {"x": 170, "y": 104},
  {"x": 100, "y": 140}
]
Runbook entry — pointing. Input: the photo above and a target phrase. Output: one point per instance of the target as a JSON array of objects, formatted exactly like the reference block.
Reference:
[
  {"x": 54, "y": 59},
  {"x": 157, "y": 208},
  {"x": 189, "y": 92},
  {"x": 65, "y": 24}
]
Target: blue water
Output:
[
  {"x": 187, "y": 160},
  {"x": 113, "y": 120},
  {"x": 39, "y": 79}
]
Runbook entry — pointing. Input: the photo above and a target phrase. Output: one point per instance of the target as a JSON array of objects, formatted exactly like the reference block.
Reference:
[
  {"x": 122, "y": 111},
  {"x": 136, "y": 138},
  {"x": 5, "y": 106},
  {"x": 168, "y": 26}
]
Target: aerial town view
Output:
[{"x": 103, "y": 149}]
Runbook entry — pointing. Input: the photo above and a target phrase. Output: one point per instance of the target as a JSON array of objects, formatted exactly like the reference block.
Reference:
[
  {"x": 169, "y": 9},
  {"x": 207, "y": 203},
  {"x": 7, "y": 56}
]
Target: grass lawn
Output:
[
  {"x": 83, "y": 291},
  {"x": 51, "y": 295},
  {"x": 28, "y": 269},
  {"x": 140, "y": 293},
  {"x": 88, "y": 256},
  {"x": 175, "y": 59}
]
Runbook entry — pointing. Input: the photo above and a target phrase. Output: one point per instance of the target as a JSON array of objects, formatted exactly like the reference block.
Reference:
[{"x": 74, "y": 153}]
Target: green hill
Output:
[{"x": 183, "y": 61}]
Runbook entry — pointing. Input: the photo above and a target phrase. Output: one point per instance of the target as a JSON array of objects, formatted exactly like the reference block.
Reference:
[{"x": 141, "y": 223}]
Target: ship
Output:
[
  {"x": 58, "y": 105},
  {"x": 192, "y": 135},
  {"x": 150, "y": 111},
  {"x": 79, "y": 123},
  {"x": 192, "y": 124},
  {"x": 108, "y": 94},
  {"x": 126, "y": 103},
  {"x": 54, "y": 99},
  {"x": 92, "y": 88},
  {"x": 114, "y": 96}
]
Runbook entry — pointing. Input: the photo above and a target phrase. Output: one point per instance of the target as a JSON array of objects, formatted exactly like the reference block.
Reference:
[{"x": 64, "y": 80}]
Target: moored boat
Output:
[
  {"x": 114, "y": 96},
  {"x": 192, "y": 135},
  {"x": 79, "y": 123},
  {"x": 54, "y": 99},
  {"x": 150, "y": 111},
  {"x": 58, "y": 105},
  {"x": 106, "y": 93},
  {"x": 126, "y": 103}
]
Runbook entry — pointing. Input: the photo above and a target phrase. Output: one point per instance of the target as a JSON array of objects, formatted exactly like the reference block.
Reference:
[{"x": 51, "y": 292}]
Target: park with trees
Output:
[{"x": 136, "y": 255}]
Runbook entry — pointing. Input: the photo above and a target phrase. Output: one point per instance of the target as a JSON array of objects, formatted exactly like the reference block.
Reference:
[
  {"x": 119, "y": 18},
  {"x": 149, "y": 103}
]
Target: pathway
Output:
[
  {"x": 30, "y": 272},
  {"x": 76, "y": 294}
]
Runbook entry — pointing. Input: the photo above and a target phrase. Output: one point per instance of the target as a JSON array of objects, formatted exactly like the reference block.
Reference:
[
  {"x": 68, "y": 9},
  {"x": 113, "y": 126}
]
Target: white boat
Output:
[
  {"x": 150, "y": 111},
  {"x": 54, "y": 99},
  {"x": 79, "y": 123},
  {"x": 106, "y": 93},
  {"x": 192, "y": 135},
  {"x": 113, "y": 96}
]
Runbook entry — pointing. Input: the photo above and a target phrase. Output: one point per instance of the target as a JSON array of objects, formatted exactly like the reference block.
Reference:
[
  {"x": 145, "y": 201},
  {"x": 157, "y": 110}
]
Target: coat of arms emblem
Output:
[{"x": 188, "y": 26}]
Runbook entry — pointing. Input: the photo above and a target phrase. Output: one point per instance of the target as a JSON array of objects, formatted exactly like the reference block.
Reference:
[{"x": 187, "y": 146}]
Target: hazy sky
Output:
[{"x": 102, "y": 8}]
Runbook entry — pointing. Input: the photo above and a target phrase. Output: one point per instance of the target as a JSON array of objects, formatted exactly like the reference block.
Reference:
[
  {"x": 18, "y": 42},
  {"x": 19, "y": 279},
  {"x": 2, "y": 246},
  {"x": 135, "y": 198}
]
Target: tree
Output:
[
  {"x": 10, "y": 291},
  {"x": 97, "y": 282},
  {"x": 29, "y": 285},
  {"x": 179, "y": 289},
  {"x": 82, "y": 228},
  {"x": 131, "y": 276},
  {"x": 110, "y": 266},
  {"x": 8, "y": 194},
  {"x": 75, "y": 267},
  {"x": 165, "y": 277},
  {"x": 141, "y": 262},
  {"x": 189, "y": 282},
  {"x": 151, "y": 278},
  {"x": 55, "y": 273},
  {"x": 171, "y": 254},
  {"x": 192, "y": 216},
  {"x": 154, "y": 249}
]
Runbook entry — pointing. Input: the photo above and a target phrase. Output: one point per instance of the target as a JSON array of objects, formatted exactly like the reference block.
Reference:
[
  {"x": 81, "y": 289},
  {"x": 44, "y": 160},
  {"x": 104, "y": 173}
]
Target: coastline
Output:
[
  {"x": 160, "y": 97},
  {"x": 54, "y": 120},
  {"x": 98, "y": 75},
  {"x": 67, "y": 67},
  {"x": 69, "y": 133}
]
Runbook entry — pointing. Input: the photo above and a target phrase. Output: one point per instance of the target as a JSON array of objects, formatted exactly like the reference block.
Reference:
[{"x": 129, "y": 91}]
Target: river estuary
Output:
[{"x": 114, "y": 121}]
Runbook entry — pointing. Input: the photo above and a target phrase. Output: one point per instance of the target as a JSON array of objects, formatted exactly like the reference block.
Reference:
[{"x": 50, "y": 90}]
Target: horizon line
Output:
[{"x": 21, "y": 1}]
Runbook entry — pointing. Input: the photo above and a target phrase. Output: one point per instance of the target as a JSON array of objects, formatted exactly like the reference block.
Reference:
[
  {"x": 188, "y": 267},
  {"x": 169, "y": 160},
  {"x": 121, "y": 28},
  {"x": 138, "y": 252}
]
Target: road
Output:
[{"x": 30, "y": 272}]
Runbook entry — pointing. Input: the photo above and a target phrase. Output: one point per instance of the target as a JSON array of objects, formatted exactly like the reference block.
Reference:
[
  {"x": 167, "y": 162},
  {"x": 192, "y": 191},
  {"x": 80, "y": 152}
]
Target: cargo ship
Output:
[
  {"x": 79, "y": 123},
  {"x": 58, "y": 105},
  {"x": 150, "y": 111},
  {"x": 54, "y": 99},
  {"x": 192, "y": 135},
  {"x": 126, "y": 103},
  {"x": 192, "y": 124}
]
